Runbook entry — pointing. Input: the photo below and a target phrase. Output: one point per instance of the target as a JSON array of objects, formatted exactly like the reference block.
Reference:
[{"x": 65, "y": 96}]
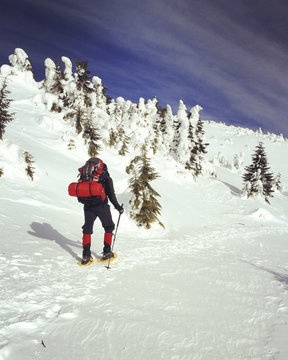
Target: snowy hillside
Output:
[{"x": 212, "y": 285}]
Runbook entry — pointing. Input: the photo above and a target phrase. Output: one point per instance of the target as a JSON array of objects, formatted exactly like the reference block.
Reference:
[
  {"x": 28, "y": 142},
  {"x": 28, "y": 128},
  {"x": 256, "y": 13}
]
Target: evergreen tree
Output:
[
  {"x": 80, "y": 116},
  {"x": 193, "y": 164},
  {"x": 145, "y": 207},
  {"x": 197, "y": 149},
  {"x": 277, "y": 185},
  {"x": 112, "y": 138},
  {"x": 125, "y": 143},
  {"x": 5, "y": 115},
  {"x": 83, "y": 83},
  {"x": 1, "y": 172},
  {"x": 181, "y": 144},
  {"x": 156, "y": 139},
  {"x": 108, "y": 97},
  {"x": 167, "y": 128},
  {"x": 162, "y": 114},
  {"x": 176, "y": 137},
  {"x": 100, "y": 99},
  {"x": 92, "y": 138},
  {"x": 71, "y": 145},
  {"x": 200, "y": 138},
  {"x": 29, "y": 161},
  {"x": 57, "y": 87},
  {"x": 238, "y": 161},
  {"x": 258, "y": 179}
]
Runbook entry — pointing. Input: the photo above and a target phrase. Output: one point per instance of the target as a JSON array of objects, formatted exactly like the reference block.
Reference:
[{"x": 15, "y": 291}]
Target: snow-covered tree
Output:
[
  {"x": 68, "y": 74},
  {"x": 71, "y": 145},
  {"x": 83, "y": 83},
  {"x": 30, "y": 170},
  {"x": 112, "y": 138},
  {"x": 167, "y": 128},
  {"x": 238, "y": 161},
  {"x": 125, "y": 139},
  {"x": 5, "y": 115},
  {"x": 53, "y": 85},
  {"x": 119, "y": 131},
  {"x": 50, "y": 75},
  {"x": 59, "y": 77},
  {"x": 197, "y": 147},
  {"x": 92, "y": 138},
  {"x": 180, "y": 143},
  {"x": 80, "y": 118},
  {"x": 277, "y": 185},
  {"x": 145, "y": 207},
  {"x": 101, "y": 99},
  {"x": 20, "y": 61},
  {"x": 257, "y": 179},
  {"x": 79, "y": 94}
]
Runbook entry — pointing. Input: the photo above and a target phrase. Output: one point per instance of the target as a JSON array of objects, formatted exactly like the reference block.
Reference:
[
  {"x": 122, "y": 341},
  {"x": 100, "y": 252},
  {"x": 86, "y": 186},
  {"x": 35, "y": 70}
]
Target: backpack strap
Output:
[
  {"x": 93, "y": 168},
  {"x": 98, "y": 171}
]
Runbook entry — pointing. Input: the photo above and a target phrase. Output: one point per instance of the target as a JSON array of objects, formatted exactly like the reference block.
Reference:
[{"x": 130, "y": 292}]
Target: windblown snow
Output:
[{"x": 212, "y": 285}]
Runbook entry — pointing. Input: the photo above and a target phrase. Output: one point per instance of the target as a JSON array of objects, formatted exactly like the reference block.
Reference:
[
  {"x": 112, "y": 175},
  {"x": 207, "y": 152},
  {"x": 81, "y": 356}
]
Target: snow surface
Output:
[{"x": 212, "y": 286}]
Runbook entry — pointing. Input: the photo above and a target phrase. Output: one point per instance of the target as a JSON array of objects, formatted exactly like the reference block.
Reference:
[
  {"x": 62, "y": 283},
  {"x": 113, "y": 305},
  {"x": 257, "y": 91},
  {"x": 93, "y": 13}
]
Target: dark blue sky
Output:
[{"x": 228, "y": 56}]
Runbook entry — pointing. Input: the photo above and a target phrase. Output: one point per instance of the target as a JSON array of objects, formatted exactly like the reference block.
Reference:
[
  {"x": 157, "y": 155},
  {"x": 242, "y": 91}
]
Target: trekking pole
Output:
[{"x": 114, "y": 237}]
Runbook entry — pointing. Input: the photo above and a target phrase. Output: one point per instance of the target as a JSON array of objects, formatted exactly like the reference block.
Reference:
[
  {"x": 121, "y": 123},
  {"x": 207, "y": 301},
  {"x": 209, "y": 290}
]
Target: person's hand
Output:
[{"x": 121, "y": 210}]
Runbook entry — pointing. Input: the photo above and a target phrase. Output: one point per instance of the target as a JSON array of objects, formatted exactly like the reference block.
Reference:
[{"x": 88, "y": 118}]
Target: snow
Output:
[{"x": 212, "y": 285}]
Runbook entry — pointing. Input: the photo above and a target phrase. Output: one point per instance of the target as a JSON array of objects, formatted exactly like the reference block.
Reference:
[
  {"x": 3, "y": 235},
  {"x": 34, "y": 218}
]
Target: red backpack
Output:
[{"x": 89, "y": 188}]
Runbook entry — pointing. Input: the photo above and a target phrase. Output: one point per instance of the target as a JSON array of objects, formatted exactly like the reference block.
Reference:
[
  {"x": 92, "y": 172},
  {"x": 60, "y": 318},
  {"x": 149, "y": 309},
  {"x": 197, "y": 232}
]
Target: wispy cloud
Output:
[
  {"x": 198, "y": 51},
  {"x": 206, "y": 49}
]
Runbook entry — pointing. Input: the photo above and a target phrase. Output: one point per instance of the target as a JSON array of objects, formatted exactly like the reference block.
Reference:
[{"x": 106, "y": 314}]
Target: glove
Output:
[{"x": 121, "y": 210}]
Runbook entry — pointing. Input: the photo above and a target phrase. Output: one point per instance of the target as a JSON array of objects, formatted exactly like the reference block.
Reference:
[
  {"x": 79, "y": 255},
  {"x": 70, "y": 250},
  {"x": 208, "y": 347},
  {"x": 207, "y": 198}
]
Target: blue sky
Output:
[{"x": 228, "y": 56}]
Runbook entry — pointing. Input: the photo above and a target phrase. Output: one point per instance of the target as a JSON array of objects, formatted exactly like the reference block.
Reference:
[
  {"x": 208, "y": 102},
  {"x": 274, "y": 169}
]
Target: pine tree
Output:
[
  {"x": 112, "y": 138},
  {"x": 181, "y": 144},
  {"x": 71, "y": 145},
  {"x": 167, "y": 128},
  {"x": 29, "y": 161},
  {"x": 83, "y": 83},
  {"x": 197, "y": 148},
  {"x": 238, "y": 161},
  {"x": 108, "y": 97},
  {"x": 5, "y": 115},
  {"x": 1, "y": 172},
  {"x": 193, "y": 164},
  {"x": 156, "y": 139},
  {"x": 80, "y": 116},
  {"x": 57, "y": 87},
  {"x": 145, "y": 207},
  {"x": 92, "y": 138},
  {"x": 258, "y": 179},
  {"x": 125, "y": 143},
  {"x": 277, "y": 185}
]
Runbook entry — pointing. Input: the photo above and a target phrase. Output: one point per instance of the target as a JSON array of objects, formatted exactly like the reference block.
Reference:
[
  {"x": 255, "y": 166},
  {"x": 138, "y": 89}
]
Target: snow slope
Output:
[{"x": 211, "y": 286}]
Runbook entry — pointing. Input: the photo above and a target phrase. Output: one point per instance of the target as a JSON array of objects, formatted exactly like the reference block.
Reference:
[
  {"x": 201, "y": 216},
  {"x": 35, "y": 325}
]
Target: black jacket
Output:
[{"x": 110, "y": 192}]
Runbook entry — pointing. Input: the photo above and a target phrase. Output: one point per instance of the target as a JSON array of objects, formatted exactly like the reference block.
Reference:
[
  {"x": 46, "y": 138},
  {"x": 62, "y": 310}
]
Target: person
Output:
[{"x": 102, "y": 211}]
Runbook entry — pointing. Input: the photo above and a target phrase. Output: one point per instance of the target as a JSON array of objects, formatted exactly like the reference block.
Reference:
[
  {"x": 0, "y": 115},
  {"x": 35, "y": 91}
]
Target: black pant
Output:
[{"x": 103, "y": 212}]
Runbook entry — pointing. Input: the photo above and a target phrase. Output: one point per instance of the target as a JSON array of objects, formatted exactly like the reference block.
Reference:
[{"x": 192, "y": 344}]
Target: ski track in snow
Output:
[{"x": 153, "y": 305}]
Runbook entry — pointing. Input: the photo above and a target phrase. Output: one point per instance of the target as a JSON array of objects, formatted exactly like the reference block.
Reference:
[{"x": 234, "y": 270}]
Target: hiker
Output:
[{"x": 94, "y": 208}]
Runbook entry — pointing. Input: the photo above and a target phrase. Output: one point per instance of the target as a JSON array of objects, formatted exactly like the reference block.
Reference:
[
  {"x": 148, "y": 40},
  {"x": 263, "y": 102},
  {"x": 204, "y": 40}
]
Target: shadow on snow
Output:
[
  {"x": 282, "y": 278},
  {"x": 234, "y": 190},
  {"x": 46, "y": 231}
]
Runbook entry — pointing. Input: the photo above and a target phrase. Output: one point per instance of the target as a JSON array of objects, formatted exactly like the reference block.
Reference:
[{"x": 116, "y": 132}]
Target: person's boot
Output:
[
  {"x": 107, "y": 255},
  {"x": 107, "y": 252},
  {"x": 86, "y": 255}
]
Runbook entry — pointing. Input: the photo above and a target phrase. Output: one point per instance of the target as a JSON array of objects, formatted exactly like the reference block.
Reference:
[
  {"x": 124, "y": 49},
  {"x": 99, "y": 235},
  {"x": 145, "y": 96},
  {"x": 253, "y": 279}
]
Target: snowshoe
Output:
[
  {"x": 107, "y": 257},
  {"x": 86, "y": 261}
]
